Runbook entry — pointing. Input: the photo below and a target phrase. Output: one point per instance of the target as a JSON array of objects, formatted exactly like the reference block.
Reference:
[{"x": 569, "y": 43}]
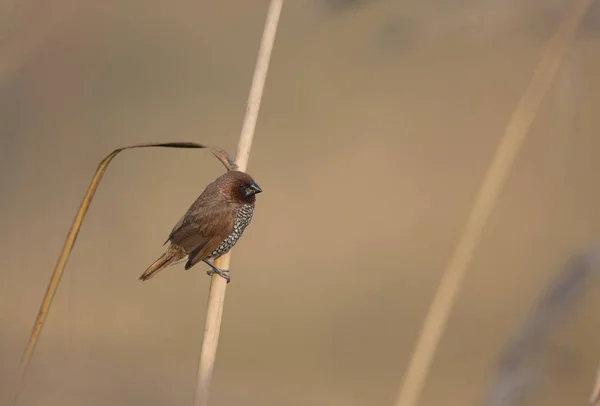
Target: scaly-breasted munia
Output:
[{"x": 212, "y": 225}]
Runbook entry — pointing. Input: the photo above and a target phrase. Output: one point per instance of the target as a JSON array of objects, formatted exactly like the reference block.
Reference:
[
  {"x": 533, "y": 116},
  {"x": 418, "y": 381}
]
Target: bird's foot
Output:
[{"x": 221, "y": 272}]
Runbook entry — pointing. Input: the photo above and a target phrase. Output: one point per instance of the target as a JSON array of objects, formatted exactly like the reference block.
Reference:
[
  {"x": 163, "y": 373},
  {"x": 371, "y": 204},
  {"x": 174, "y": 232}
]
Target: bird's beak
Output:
[{"x": 253, "y": 189}]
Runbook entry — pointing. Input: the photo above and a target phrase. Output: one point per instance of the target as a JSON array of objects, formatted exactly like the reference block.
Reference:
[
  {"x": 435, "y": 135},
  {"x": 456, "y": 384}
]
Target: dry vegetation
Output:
[{"x": 350, "y": 104}]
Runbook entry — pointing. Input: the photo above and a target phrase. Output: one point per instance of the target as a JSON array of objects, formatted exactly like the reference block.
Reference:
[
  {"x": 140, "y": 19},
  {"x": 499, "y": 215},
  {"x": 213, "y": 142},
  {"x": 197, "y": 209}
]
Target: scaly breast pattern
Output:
[{"x": 241, "y": 221}]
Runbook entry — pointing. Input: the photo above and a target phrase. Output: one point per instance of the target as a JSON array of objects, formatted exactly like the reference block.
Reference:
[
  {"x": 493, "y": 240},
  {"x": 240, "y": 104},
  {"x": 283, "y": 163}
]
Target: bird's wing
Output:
[
  {"x": 203, "y": 252},
  {"x": 206, "y": 224}
]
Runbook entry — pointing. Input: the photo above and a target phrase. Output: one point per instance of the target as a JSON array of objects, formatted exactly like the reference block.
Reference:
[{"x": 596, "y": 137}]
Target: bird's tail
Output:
[{"x": 172, "y": 255}]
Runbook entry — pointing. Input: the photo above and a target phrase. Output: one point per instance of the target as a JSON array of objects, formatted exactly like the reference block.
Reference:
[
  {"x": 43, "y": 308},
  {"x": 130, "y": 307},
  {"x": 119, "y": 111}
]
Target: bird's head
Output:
[{"x": 239, "y": 186}]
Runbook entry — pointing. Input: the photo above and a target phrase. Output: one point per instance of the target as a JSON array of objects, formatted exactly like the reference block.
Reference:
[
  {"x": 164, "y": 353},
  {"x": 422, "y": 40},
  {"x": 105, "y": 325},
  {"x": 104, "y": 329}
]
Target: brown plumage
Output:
[{"x": 212, "y": 225}]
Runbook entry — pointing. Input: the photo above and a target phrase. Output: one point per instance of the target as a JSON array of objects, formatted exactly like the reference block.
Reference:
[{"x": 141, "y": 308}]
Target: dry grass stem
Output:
[
  {"x": 490, "y": 189},
  {"x": 595, "y": 396},
  {"x": 216, "y": 297},
  {"x": 70, "y": 242}
]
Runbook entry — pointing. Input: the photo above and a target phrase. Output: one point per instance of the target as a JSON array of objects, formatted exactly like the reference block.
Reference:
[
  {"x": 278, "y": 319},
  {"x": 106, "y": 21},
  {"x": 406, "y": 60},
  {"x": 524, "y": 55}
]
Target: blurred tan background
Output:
[{"x": 378, "y": 121}]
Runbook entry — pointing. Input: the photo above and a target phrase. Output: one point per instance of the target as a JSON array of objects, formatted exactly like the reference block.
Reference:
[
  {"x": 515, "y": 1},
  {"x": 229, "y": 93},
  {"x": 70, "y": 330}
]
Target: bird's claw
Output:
[{"x": 221, "y": 272}]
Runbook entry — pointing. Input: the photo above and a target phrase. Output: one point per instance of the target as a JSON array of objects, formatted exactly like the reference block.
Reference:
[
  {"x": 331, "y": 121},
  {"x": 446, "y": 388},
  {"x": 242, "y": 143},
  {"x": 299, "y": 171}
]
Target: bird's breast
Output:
[{"x": 240, "y": 222}]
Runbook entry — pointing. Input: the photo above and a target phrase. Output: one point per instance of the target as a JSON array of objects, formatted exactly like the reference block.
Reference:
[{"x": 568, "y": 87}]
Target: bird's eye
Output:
[{"x": 241, "y": 185}]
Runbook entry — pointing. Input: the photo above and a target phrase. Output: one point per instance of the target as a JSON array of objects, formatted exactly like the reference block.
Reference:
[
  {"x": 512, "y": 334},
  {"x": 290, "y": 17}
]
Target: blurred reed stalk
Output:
[
  {"x": 491, "y": 187},
  {"x": 595, "y": 396},
  {"x": 216, "y": 296},
  {"x": 70, "y": 242}
]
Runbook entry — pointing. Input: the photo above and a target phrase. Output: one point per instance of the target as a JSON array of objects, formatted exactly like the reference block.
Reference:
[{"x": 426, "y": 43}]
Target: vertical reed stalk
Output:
[{"x": 216, "y": 296}]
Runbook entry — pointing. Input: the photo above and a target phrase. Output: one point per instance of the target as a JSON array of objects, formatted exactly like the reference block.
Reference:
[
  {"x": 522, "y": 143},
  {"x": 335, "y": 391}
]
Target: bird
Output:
[{"x": 211, "y": 226}]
